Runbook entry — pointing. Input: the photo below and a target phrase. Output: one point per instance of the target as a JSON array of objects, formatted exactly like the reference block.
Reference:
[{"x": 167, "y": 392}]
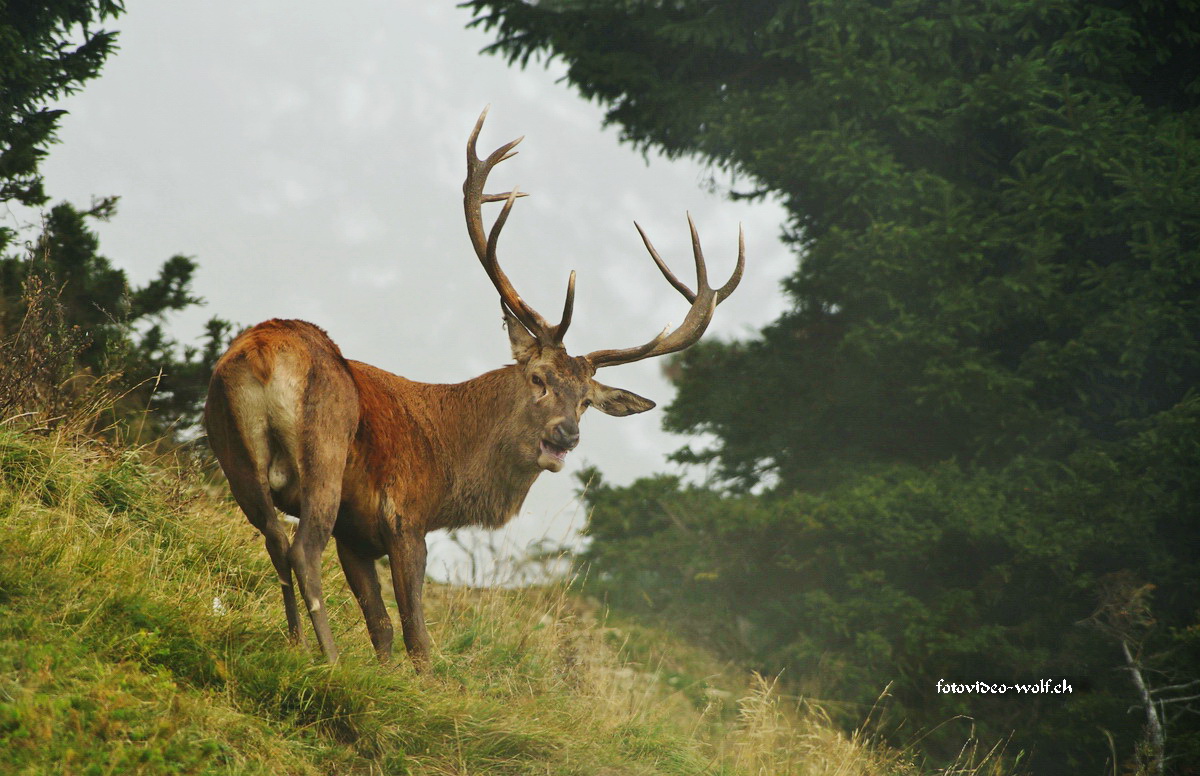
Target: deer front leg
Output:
[
  {"x": 364, "y": 582},
  {"x": 407, "y": 556}
]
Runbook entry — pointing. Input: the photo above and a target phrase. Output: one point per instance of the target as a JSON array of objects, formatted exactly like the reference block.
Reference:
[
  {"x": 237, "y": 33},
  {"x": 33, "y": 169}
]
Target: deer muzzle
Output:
[{"x": 554, "y": 446}]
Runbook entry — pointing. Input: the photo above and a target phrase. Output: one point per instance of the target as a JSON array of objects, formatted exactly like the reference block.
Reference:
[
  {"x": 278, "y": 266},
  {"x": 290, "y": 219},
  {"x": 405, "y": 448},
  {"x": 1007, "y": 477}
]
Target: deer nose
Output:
[{"x": 565, "y": 435}]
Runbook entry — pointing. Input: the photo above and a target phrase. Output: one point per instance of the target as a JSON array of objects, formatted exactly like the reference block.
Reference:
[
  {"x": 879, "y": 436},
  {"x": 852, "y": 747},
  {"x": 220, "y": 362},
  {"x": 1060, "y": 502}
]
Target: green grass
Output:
[{"x": 114, "y": 660}]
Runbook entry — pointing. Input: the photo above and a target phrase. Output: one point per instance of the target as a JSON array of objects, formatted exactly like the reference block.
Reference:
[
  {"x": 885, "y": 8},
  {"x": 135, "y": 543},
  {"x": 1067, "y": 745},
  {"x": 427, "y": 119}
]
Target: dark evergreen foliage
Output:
[
  {"x": 982, "y": 401},
  {"x": 120, "y": 327},
  {"x": 47, "y": 51}
]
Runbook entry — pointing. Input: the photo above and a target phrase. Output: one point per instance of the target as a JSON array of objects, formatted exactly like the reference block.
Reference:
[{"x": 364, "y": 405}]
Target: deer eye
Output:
[
  {"x": 587, "y": 403},
  {"x": 540, "y": 384}
]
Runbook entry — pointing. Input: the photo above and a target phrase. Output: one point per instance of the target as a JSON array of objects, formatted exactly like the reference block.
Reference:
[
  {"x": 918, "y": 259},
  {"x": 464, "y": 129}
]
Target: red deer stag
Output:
[{"x": 378, "y": 461}]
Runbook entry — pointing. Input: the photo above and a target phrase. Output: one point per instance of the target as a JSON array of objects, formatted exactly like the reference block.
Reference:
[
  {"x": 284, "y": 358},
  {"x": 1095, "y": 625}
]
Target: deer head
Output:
[{"x": 559, "y": 387}]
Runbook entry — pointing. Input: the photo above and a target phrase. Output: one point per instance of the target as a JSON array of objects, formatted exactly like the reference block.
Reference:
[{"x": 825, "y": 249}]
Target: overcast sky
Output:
[{"x": 310, "y": 157}]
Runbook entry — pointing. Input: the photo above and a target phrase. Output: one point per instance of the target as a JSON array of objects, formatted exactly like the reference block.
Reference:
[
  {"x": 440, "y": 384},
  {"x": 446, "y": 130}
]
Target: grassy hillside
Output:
[{"x": 141, "y": 631}]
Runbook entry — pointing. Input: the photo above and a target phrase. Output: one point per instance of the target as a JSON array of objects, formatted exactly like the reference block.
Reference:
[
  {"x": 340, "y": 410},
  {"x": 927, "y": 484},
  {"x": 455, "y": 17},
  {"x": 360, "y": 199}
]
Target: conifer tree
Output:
[
  {"x": 49, "y": 50},
  {"x": 982, "y": 399}
]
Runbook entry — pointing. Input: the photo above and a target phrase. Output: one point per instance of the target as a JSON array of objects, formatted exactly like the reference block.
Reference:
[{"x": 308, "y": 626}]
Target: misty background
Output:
[{"x": 311, "y": 158}]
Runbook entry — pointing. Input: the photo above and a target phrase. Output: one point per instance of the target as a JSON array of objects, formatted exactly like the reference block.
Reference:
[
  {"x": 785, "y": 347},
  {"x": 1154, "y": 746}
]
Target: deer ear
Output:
[
  {"x": 524, "y": 345},
  {"x": 617, "y": 401}
]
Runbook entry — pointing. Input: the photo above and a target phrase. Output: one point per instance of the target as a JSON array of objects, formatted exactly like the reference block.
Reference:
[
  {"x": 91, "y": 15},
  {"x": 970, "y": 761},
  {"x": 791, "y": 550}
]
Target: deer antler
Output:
[
  {"x": 485, "y": 244},
  {"x": 704, "y": 301}
]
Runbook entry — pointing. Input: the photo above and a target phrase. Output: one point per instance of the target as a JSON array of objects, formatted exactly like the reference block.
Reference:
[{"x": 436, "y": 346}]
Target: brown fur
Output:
[{"x": 377, "y": 461}]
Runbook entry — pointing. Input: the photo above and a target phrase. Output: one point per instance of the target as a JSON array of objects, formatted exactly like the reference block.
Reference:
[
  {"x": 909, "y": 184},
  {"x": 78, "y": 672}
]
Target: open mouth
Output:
[{"x": 553, "y": 451}]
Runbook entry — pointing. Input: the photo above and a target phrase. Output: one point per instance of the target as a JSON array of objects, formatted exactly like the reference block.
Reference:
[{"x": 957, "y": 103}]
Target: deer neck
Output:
[{"x": 492, "y": 447}]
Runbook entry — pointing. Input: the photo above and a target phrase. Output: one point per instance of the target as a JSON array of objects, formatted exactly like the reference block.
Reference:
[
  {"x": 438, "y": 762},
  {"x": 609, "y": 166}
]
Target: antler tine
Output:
[
  {"x": 701, "y": 270},
  {"x": 667, "y": 273},
  {"x": 485, "y": 245},
  {"x": 736, "y": 277},
  {"x": 494, "y": 235},
  {"x": 497, "y": 156},
  {"x": 560, "y": 330},
  {"x": 704, "y": 302}
]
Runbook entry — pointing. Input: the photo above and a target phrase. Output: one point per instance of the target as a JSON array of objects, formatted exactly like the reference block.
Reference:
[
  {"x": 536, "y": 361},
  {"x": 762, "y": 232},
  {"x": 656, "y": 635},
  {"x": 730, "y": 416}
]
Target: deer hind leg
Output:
[
  {"x": 324, "y": 443},
  {"x": 243, "y": 452},
  {"x": 318, "y": 512},
  {"x": 364, "y": 582},
  {"x": 277, "y": 548},
  {"x": 261, "y": 512}
]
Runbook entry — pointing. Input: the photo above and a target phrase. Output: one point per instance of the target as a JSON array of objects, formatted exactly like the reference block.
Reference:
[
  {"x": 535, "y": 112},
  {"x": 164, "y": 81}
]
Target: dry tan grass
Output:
[{"x": 744, "y": 724}]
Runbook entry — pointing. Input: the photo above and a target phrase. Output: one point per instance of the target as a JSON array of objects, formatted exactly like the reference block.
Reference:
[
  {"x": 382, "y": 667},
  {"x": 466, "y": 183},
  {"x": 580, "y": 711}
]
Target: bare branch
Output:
[{"x": 1172, "y": 687}]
